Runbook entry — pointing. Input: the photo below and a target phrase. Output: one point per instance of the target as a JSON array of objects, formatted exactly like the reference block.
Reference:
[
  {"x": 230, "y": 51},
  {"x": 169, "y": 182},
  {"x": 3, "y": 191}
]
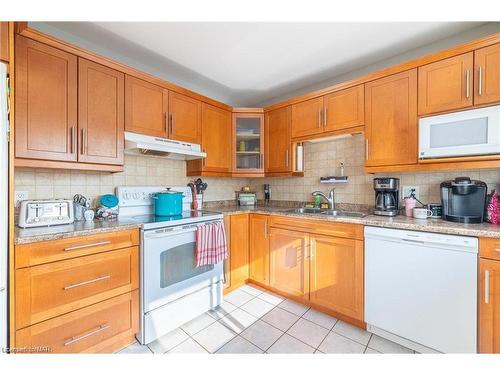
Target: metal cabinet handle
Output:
[
  {"x": 72, "y": 286},
  {"x": 319, "y": 117},
  {"x": 487, "y": 287},
  {"x": 480, "y": 85},
  {"x": 497, "y": 250},
  {"x": 166, "y": 122},
  {"x": 286, "y": 158},
  {"x": 83, "y": 142},
  {"x": 71, "y": 143},
  {"x": 171, "y": 123},
  {"x": 467, "y": 83},
  {"x": 87, "y": 245},
  {"x": 325, "y": 117},
  {"x": 75, "y": 339}
]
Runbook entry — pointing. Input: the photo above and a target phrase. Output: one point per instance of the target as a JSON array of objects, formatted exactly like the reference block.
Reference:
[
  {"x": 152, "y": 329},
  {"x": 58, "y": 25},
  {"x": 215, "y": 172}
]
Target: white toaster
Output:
[{"x": 45, "y": 212}]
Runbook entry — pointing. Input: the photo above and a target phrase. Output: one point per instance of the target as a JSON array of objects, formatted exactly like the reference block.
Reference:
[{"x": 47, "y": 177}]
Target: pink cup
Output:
[{"x": 409, "y": 206}]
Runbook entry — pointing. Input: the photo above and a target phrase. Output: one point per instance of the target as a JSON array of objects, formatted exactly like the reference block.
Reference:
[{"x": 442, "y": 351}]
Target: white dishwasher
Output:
[{"x": 421, "y": 289}]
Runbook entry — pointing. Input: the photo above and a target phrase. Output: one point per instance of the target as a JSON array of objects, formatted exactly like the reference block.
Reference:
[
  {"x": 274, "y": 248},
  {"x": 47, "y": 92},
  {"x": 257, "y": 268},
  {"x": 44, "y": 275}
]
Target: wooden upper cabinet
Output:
[
  {"x": 446, "y": 84},
  {"x": 185, "y": 118},
  {"x": 289, "y": 262},
  {"x": 278, "y": 146},
  {"x": 391, "y": 120},
  {"x": 337, "y": 275},
  {"x": 146, "y": 108},
  {"x": 239, "y": 249},
  {"x": 4, "y": 41},
  {"x": 489, "y": 306},
  {"x": 307, "y": 118},
  {"x": 46, "y": 102},
  {"x": 259, "y": 248},
  {"x": 345, "y": 109},
  {"x": 100, "y": 113},
  {"x": 216, "y": 139},
  {"x": 487, "y": 79}
]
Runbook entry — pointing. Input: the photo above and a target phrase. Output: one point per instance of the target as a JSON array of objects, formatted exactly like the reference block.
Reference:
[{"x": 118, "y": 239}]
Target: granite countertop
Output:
[
  {"x": 78, "y": 228},
  {"x": 82, "y": 228},
  {"x": 397, "y": 222}
]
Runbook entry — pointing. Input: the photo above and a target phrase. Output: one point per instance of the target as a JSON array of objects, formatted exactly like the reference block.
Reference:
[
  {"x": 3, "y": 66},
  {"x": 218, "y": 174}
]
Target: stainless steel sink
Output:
[
  {"x": 305, "y": 210},
  {"x": 343, "y": 213}
]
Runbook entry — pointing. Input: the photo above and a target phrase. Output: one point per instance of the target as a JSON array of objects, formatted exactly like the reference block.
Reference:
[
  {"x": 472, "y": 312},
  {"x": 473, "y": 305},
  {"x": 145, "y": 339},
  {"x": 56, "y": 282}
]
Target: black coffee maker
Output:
[{"x": 463, "y": 200}]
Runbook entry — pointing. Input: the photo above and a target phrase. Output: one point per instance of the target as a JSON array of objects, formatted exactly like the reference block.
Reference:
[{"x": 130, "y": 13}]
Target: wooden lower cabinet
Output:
[
  {"x": 320, "y": 264},
  {"x": 77, "y": 295},
  {"x": 259, "y": 248},
  {"x": 489, "y": 306},
  {"x": 100, "y": 328},
  {"x": 238, "y": 248},
  {"x": 336, "y": 274},
  {"x": 289, "y": 262}
]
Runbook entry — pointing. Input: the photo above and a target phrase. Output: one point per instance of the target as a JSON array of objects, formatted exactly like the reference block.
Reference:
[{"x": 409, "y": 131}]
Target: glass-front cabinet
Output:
[{"x": 248, "y": 142}]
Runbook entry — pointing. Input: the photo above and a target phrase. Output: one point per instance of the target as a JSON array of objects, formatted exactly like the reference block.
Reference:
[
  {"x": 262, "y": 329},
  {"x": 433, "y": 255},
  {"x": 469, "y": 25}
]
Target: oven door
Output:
[
  {"x": 465, "y": 133},
  {"x": 168, "y": 262}
]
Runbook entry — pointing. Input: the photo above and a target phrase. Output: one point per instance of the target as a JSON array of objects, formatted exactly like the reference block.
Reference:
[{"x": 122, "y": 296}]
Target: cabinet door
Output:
[
  {"x": 239, "y": 250},
  {"x": 489, "y": 306},
  {"x": 259, "y": 248},
  {"x": 307, "y": 118},
  {"x": 278, "y": 153},
  {"x": 216, "y": 139},
  {"x": 391, "y": 120},
  {"x": 248, "y": 143},
  {"x": 146, "y": 108},
  {"x": 345, "y": 109},
  {"x": 4, "y": 41},
  {"x": 46, "y": 102},
  {"x": 446, "y": 84},
  {"x": 100, "y": 113},
  {"x": 337, "y": 275},
  {"x": 185, "y": 118},
  {"x": 487, "y": 81},
  {"x": 289, "y": 263}
]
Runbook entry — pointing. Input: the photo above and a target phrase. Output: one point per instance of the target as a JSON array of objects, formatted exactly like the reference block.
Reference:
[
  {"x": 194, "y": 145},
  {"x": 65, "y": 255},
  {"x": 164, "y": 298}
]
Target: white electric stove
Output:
[{"x": 173, "y": 290}]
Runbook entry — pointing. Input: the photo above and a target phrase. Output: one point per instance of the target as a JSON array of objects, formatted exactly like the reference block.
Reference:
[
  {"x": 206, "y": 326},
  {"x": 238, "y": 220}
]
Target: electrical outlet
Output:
[
  {"x": 407, "y": 191},
  {"x": 20, "y": 196}
]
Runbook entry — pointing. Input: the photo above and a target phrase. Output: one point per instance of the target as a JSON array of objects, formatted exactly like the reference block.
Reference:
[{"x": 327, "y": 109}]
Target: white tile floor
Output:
[{"x": 255, "y": 321}]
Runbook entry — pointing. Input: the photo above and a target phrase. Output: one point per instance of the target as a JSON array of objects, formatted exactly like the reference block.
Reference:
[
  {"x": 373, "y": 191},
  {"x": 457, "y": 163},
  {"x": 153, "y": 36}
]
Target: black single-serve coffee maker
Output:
[{"x": 463, "y": 200}]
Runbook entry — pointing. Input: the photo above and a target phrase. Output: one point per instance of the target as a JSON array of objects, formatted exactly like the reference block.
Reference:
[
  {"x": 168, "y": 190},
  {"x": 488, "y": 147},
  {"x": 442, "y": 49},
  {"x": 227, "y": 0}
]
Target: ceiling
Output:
[{"x": 246, "y": 64}]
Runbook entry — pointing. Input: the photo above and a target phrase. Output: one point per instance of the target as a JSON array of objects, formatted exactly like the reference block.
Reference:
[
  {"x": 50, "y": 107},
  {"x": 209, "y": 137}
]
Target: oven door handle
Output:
[{"x": 168, "y": 234}]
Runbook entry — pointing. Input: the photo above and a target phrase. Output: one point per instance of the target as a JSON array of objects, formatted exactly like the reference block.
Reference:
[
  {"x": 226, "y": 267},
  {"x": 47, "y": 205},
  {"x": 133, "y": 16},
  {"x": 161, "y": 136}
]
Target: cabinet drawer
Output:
[
  {"x": 344, "y": 230},
  {"x": 489, "y": 248},
  {"x": 89, "y": 330},
  {"x": 49, "y": 290},
  {"x": 50, "y": 251}
]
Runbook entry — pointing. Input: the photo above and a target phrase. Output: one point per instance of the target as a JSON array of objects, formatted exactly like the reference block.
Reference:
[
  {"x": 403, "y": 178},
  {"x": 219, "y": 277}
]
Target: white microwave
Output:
[{"x": 465, "y": 133}]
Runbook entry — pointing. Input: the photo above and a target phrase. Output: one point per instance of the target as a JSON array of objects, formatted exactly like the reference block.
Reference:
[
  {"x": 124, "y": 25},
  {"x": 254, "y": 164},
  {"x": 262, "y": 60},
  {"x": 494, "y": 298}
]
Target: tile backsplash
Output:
[
  {"x": 139, "y": 170},
  {"x": 320, "y": 159},
  {"x": 323, "y": 159}
]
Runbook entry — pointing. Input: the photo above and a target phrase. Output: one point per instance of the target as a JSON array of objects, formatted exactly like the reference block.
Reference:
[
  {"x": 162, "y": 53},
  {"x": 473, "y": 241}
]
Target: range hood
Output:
[{"x": 139, "y": 144}]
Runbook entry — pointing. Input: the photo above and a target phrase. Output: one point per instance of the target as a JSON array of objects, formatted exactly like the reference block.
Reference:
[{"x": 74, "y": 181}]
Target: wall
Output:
[
  {"x": 139, "y": 170},
  {"x": 323, "y": 159}
]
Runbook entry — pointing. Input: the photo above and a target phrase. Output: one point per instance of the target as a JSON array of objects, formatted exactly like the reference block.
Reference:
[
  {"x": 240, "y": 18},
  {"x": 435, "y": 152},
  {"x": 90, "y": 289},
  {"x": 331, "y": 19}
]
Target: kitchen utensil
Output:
[
  {"x": 421, "y": 213},
  {"x": 168, "y": 203},
  {"x": 47, "y": 212}
]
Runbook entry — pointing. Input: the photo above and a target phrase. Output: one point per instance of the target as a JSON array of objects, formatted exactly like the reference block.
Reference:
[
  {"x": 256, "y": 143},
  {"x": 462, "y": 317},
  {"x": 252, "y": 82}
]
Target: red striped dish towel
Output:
[{"x": 211, "y": 244}]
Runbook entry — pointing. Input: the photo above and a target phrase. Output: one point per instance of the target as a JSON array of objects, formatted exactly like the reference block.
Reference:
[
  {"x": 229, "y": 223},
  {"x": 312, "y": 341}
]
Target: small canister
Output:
[{"x": 436, "y": 209}]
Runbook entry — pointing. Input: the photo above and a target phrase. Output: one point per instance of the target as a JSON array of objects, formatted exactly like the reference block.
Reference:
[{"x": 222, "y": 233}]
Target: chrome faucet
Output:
[{"x": 330, "y": 199}]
